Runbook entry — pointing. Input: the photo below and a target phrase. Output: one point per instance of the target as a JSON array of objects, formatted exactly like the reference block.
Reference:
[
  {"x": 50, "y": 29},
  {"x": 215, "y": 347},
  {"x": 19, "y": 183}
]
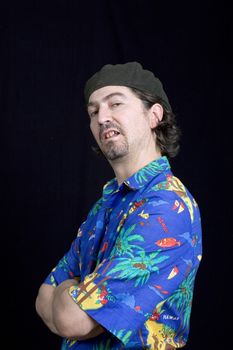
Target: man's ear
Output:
[{"x": 156, "y": 115}]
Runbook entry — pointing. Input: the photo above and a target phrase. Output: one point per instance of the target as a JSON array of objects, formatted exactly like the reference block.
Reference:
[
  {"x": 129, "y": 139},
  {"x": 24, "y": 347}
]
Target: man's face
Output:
[{"x": 119, "y": 122}]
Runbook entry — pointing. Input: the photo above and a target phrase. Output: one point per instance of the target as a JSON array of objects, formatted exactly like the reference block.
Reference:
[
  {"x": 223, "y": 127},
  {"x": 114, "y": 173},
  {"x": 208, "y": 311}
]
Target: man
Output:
[{"x": 127, "y": 281}]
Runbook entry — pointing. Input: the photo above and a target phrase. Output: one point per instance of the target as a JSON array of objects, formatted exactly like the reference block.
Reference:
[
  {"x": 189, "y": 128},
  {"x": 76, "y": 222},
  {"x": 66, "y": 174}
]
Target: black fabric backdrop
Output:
[{"x": 50, "y": 176}]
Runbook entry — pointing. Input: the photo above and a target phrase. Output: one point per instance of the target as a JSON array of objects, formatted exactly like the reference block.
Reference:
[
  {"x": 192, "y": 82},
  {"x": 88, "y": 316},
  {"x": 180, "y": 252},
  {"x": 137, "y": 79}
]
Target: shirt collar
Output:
[{"x": 140, "y": 178}]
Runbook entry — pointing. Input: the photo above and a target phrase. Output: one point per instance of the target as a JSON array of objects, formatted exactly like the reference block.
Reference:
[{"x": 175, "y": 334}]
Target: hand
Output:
[{"x": 63, "y": 286}]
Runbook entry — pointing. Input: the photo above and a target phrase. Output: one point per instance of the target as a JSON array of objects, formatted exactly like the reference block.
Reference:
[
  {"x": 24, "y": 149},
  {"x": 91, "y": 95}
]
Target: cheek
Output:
[
  {"x": 94, "y": 130},
  {"x": 138, "y": 127}
]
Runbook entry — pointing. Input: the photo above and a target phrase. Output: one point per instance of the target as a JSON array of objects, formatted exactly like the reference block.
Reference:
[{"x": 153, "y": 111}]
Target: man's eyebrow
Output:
[{"x": 106, "y": 98}]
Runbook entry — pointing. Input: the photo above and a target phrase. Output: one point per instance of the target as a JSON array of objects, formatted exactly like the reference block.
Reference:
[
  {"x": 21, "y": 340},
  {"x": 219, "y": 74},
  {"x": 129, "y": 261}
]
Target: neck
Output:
[{"x": 125, "y": 167}]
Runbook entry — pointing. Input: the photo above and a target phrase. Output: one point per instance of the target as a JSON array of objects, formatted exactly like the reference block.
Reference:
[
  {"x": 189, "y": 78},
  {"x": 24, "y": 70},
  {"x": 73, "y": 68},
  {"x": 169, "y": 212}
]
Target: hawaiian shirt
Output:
[{"x": 137, "y": 255}]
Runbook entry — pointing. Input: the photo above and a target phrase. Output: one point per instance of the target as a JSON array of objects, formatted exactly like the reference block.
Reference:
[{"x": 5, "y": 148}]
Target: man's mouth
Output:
[{"x": 109, "y": 134}]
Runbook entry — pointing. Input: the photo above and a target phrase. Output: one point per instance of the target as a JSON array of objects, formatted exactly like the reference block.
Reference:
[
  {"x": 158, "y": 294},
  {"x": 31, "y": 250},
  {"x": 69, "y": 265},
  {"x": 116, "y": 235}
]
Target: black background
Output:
[{"x": 49, "y": 175}]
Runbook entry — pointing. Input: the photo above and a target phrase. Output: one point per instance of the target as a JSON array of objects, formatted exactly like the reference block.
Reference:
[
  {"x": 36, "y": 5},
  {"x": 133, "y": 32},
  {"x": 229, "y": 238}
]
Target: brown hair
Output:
[{"x": 167, "y": 131}]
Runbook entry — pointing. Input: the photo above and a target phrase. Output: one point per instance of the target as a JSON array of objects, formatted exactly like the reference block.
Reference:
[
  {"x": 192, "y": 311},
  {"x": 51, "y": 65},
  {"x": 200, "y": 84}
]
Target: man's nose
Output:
[{"x": 104, "y": 115}]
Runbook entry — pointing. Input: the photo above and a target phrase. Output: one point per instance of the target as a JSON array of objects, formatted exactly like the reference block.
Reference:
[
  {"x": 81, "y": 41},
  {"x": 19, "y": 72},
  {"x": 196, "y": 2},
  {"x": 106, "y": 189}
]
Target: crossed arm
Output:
[{"x": 62, "y": 315}]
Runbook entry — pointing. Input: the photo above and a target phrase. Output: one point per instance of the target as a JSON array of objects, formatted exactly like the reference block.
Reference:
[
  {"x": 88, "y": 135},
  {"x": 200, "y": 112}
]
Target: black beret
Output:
[{"x": 129, "y": 74}]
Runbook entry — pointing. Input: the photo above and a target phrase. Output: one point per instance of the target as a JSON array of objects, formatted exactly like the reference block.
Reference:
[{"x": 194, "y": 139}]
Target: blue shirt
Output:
[{"x": 137, "y": 255}]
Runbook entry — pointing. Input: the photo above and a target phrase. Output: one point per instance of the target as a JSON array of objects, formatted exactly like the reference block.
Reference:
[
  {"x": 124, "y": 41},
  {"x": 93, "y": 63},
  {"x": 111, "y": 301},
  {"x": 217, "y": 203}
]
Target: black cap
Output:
[{"x": 130, "y": 74}]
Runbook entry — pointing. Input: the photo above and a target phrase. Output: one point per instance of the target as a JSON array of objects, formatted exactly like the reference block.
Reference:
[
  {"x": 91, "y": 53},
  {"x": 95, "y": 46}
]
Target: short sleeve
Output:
[
  {"x": 67, "y": 267},
  {"x": 72, "y": 264},
  {"x": 141, "y": 281}
]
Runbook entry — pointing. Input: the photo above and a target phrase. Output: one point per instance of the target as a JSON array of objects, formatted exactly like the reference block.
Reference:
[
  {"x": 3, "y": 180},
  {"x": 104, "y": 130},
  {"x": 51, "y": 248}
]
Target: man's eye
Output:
[
  {"x": 116, "y": 104},
  {"x": 93, "y": 113}
]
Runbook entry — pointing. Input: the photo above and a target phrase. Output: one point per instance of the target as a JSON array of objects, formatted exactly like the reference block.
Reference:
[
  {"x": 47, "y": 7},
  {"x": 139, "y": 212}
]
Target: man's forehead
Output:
[{"x": 108, "y": 92}]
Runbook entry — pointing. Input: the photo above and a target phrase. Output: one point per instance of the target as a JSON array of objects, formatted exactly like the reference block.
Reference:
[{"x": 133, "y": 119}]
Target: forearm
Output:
[
  {"x": 76, "y": 327},
  {"x": 44, "y": 302},
  {"x": 70, "y": 320},
  {"x": 93, "y": 333},
  {"x": 62, "y": 315}
]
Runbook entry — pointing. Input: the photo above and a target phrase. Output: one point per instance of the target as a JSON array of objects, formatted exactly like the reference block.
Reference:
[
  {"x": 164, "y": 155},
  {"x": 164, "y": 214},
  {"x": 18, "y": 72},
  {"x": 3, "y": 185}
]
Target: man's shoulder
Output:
[
  {"x": 169, "y": 183},
  {"x": 172, "y": 190},
  {"x": 95, "y": 207}
]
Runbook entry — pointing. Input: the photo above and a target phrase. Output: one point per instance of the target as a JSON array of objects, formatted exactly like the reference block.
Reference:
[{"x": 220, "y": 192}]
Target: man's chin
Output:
[
  {"x": 114, "y": 152},
  {"x": 114, "y": 156}
]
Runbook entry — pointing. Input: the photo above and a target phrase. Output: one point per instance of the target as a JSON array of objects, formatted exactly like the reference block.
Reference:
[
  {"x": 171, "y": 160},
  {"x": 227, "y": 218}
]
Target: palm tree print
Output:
[
  {"x": 122, "y": 334},
  {"x": 123, "y": 244},
  {"x": 182, "y": 298},
  {"x": 104, "y": 345},
  {"x": 151, "y": 170},
  {"x": 68, "y": 343},
  {"x": 168, "y": 332},
  {"x": 139, "y": 267}
]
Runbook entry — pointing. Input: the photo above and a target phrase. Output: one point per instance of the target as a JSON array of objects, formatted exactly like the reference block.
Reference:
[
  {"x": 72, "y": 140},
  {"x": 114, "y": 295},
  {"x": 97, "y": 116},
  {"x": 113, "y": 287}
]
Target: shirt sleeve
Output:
[
  {"x": 67, "y": 267},
  {"x": 147, "y": 281}
]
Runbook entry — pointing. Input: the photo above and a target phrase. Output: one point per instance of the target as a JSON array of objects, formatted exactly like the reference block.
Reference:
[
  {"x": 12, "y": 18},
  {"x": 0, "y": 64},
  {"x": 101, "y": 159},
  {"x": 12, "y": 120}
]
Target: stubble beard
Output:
[{"x": 115, "y": 150}]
